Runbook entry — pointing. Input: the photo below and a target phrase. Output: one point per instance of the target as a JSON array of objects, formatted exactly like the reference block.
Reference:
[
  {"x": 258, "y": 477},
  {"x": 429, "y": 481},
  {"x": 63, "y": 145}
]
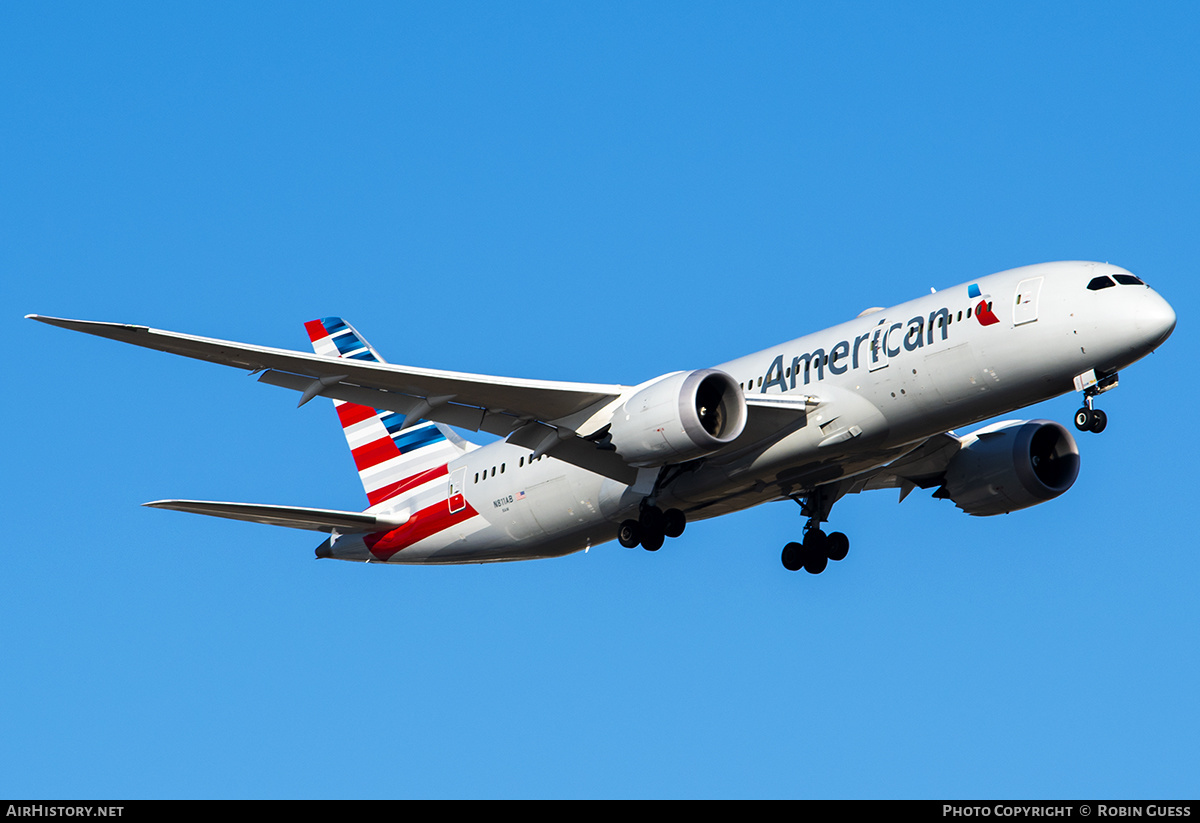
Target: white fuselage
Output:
[{"x": 885, "y": 381}]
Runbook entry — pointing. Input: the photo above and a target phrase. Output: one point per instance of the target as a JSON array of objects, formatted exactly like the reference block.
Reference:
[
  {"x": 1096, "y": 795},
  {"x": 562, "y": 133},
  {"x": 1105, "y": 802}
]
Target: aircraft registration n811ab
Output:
[{"x": 868, "y": 404}]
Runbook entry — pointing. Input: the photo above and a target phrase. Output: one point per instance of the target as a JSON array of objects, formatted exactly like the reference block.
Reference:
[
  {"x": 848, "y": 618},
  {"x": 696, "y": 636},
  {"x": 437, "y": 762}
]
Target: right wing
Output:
[{"x": 923, "y": 467}]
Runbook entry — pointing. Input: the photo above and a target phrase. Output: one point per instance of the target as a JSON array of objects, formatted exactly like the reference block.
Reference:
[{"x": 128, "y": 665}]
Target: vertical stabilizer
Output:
[{"x": 390, "y": 460}]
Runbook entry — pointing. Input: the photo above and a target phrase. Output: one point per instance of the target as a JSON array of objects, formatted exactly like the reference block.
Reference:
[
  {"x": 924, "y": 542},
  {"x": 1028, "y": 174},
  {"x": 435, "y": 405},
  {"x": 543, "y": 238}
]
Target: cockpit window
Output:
[
  {"x": 1128, "y": 280},
  {"x": 1100, "y": 283}
]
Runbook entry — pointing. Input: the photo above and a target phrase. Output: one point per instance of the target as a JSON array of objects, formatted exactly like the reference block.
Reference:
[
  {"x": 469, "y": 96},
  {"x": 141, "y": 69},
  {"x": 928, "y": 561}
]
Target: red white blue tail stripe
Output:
[{"x": 391, "y": 461}]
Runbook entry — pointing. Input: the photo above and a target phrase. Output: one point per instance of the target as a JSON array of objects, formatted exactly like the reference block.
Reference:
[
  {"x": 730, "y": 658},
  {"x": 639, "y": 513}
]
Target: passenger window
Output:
[{"x": 1100, "y": 283}]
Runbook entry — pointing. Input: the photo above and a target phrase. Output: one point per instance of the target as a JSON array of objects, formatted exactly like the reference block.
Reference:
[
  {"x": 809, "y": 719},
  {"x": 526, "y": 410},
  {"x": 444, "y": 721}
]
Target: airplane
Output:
[{"x": 871, "y": 403}]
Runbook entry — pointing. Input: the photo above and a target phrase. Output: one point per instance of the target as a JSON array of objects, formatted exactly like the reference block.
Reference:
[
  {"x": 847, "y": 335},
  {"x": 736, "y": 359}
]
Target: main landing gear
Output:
[
  {"x": 814, "y": 554},
  {"x": 817, "y": 548},
  {"x": 651, "y": 528},
  {"x": 1089, "y": 418}
]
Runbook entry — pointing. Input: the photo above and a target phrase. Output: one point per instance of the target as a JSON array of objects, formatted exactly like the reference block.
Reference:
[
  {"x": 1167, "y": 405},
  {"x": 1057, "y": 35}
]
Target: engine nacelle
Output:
[
  {"x": 1011, "y": 465},
  {"x": 679, "y": 417}
]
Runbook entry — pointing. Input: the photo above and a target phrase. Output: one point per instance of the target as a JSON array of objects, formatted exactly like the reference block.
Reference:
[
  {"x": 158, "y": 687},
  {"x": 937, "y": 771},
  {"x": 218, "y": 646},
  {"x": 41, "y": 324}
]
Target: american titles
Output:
[{"x": 873, "y": 348}]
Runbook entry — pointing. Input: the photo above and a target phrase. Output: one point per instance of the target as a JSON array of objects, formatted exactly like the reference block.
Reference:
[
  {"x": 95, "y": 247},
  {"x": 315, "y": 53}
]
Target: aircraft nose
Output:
[{"x": 1155, "y": 319}]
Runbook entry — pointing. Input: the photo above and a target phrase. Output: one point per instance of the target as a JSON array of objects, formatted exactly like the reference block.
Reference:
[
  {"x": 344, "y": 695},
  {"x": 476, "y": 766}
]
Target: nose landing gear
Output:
[{"x": 1090, "y": 418}]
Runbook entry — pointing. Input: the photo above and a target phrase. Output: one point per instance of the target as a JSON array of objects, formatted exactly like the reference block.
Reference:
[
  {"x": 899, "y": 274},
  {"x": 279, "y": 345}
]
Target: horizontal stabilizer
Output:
[{"x": 294, "y": 517}]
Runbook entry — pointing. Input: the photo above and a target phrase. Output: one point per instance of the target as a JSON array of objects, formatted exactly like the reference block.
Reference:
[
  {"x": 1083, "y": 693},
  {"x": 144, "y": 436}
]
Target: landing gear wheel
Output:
[
  {"x": 673, "y": 522},
  {"x": 629, "y": 534},
  {"x": 837, "y": 546},
  {"x": 1099, "y": 421},
  {"x": 655, "y": 525},
  {"x": 792, "y": 559},
  {"x": 652, "y": 541},
  {"x": 815, "y": 563},
  {"x": 651, "y": 519},
  {"x": 1084, "y": 419},
  {"x": 814, "y": 551}
]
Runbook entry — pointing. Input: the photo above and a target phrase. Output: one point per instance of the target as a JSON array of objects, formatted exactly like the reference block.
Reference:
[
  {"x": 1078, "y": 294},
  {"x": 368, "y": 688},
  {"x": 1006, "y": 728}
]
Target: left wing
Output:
[
  {"x": 496, "y": 405},
  {"x": 535, "y": 414}
]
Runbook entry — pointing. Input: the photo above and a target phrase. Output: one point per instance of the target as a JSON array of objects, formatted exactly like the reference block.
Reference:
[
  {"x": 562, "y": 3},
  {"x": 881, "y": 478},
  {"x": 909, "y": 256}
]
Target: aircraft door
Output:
[
  {"x": 458, "y": 479},
  {"x": 1025, "y": 301},
  {"x": 878, "y": 357}
]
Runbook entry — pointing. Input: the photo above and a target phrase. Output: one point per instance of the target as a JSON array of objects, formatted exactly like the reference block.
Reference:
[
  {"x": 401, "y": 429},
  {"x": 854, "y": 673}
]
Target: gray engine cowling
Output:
[
  {"x": 1011, "y": 465},
  {"x": 679, "y": 417}
]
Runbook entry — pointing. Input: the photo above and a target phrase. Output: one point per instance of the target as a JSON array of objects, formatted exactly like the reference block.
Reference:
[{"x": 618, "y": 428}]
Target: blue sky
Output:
[{"x": 593, "y": 192}]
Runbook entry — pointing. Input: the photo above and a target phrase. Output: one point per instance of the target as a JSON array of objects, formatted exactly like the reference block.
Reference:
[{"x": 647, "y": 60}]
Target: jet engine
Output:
[
  {"x": 1011, "y": 465},
  {"x": 679, "y": 417}
]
